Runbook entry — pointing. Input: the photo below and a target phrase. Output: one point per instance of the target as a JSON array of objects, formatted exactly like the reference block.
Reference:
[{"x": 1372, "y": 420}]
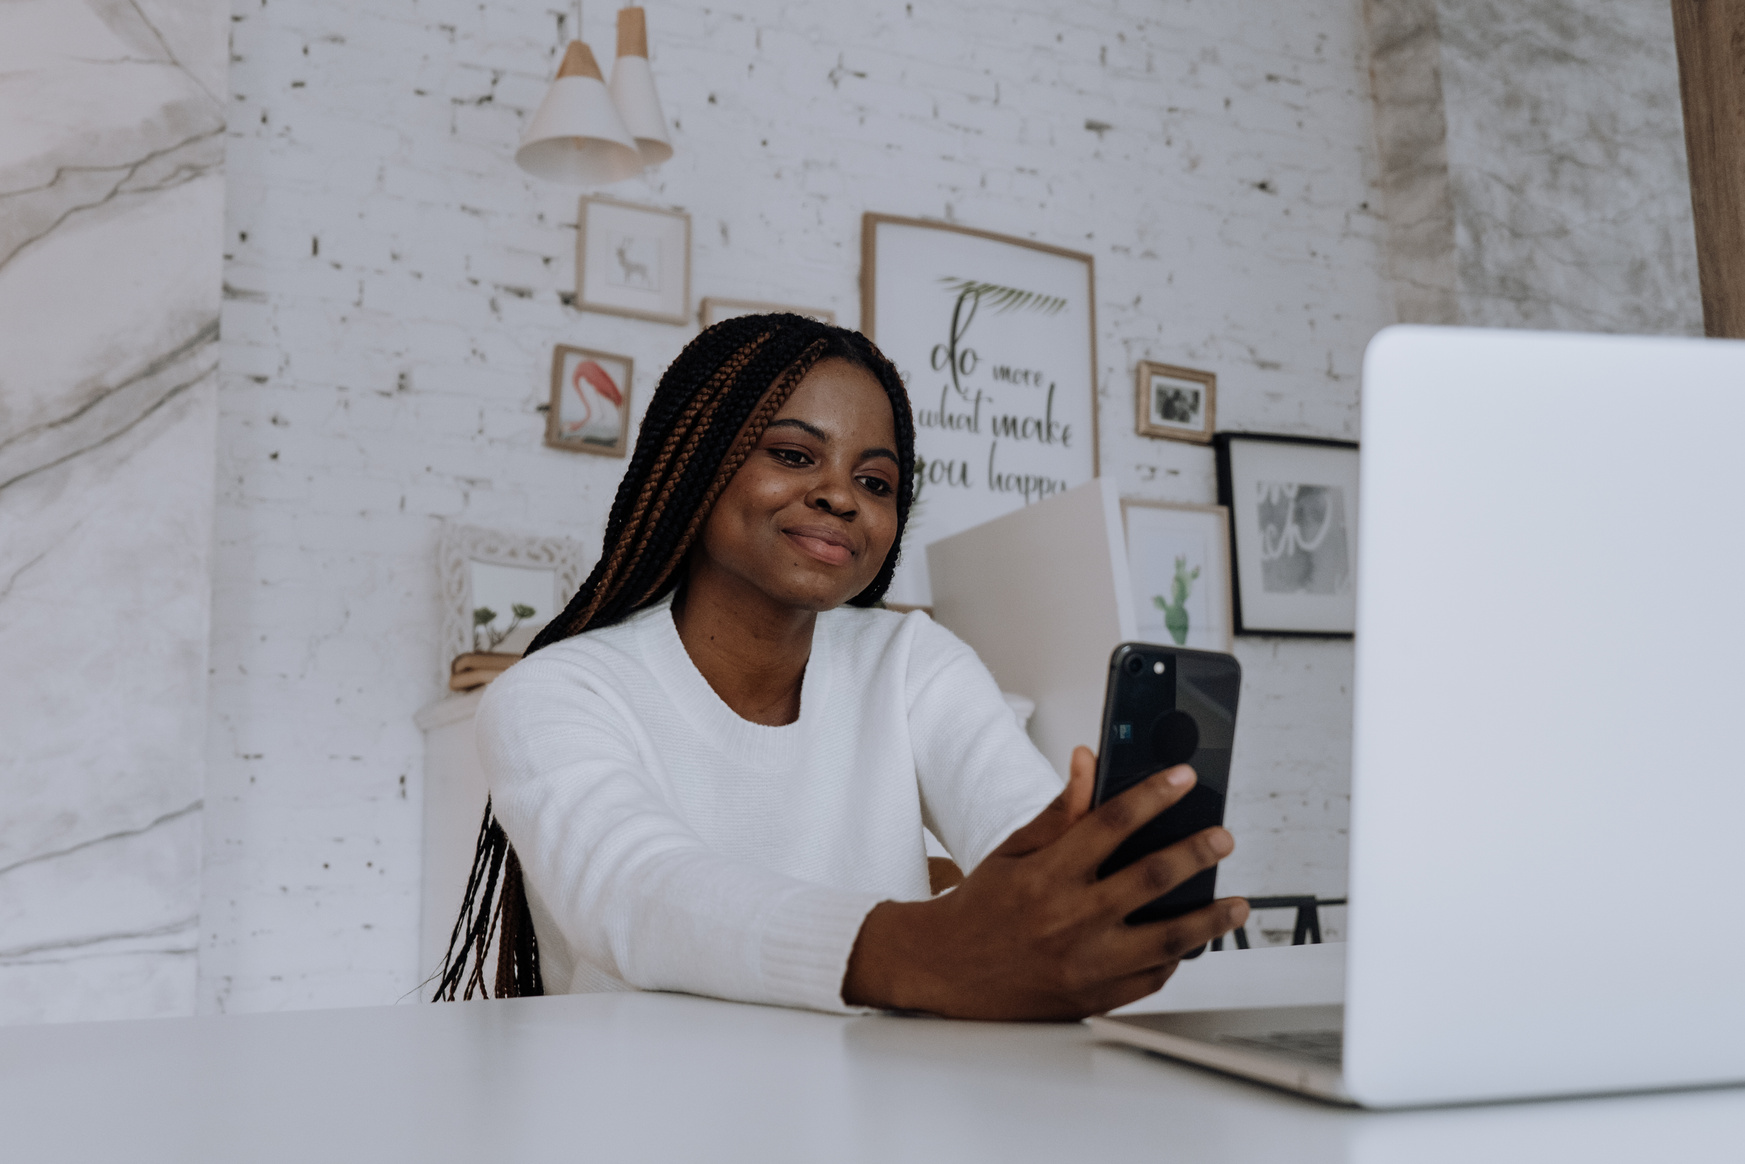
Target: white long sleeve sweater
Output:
[{"x": 668, "y": 844}]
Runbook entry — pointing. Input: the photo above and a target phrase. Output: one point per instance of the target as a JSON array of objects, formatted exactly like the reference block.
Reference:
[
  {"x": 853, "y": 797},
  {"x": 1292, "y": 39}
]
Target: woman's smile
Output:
[{"x": 829, "y": 546}]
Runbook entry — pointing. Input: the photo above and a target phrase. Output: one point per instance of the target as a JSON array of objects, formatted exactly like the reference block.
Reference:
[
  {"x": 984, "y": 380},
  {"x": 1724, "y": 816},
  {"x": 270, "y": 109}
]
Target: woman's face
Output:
[{"x": 810, "y": 517}]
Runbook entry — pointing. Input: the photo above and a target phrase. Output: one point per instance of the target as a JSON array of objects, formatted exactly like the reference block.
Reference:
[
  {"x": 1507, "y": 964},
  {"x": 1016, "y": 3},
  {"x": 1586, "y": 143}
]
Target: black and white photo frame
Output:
[
  {"x": 1293, "y": 533},
  {"x": 1175, "y": 403}
]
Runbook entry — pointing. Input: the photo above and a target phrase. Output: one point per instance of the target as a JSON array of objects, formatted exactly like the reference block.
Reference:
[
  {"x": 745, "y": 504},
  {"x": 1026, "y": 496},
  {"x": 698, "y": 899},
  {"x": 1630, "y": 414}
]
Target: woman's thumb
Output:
[{"x": 1063, "y": 811}]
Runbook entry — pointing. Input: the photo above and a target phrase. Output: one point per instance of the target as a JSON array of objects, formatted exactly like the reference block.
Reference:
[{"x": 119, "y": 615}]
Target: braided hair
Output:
[{"x": 707, "y": 416}]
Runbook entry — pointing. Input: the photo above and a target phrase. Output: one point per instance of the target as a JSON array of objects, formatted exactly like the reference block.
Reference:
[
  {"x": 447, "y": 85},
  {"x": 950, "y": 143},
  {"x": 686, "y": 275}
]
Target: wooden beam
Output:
[{"x": 1711, "y": 81}]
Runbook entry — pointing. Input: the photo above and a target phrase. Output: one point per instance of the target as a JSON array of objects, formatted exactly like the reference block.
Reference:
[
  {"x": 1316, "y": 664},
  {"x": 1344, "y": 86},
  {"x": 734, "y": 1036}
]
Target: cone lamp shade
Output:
[
  {"x": 633, "y": 89},
  {"x": 576, "y": 136}
]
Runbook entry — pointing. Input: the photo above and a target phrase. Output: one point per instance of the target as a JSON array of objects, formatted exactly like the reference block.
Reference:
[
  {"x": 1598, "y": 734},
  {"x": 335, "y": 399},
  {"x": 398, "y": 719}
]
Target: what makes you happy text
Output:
[{"x": 987, "y": 410}]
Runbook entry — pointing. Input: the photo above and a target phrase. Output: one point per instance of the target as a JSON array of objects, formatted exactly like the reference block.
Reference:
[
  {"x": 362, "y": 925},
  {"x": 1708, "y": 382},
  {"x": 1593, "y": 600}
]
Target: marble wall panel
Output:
[
  {"x": 1567, "y": 163},
  {"x": 1411, "y": 130},
  {"x": 1533, "y": 158},
  {"x": 111, "y": 205}
]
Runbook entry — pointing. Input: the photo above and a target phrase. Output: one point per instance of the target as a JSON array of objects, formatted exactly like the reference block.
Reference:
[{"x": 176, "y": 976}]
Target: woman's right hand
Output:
[{"x": 1032, "y": 933}]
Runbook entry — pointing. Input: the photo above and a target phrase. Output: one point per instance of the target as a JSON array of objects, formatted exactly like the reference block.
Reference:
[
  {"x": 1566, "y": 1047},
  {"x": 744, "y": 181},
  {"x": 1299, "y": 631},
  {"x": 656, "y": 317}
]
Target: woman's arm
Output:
[
  {"x": 633, "y": 890},
  {"x": 980, "y": 777}
]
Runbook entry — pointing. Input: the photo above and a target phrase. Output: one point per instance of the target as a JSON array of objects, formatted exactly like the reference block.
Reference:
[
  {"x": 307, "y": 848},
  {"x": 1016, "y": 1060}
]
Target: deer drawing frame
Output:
[{"x": 633, "y": 260}]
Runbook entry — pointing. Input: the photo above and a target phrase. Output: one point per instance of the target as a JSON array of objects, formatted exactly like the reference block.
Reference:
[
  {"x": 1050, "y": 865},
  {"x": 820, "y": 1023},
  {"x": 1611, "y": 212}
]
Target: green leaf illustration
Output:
[{"x": 1002, "y": 298}]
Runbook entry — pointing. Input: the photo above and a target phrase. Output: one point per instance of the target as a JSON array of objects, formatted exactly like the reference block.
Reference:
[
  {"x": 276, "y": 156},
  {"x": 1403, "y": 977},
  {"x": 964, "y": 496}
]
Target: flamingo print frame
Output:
[{"x": 590, "y": 402}]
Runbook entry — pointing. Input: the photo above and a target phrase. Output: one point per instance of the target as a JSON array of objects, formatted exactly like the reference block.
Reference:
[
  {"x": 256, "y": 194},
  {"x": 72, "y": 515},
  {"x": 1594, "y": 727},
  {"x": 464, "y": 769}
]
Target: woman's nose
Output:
[{"x": 836, "y": 509}]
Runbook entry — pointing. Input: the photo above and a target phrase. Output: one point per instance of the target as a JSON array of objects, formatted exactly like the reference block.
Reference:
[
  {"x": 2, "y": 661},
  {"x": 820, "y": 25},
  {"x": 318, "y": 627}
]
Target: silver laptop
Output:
[{"x": 1548, "y": 787}]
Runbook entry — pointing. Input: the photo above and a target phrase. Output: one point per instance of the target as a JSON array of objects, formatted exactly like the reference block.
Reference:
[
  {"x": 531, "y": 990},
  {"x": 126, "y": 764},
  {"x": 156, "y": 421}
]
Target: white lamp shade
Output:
[
  {"x": 633, "y": 93},
  {"x": 577, "y": 135}
]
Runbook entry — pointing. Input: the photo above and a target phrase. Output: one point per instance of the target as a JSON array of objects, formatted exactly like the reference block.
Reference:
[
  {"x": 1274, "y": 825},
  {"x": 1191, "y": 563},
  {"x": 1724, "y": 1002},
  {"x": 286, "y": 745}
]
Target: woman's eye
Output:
[
  {"x": 878, "y": 485},
  {"x": 790, "y": 456}
]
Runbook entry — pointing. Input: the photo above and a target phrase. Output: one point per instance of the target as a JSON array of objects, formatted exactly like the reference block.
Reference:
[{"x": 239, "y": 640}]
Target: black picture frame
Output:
[{"x": 1226, "y": 446}]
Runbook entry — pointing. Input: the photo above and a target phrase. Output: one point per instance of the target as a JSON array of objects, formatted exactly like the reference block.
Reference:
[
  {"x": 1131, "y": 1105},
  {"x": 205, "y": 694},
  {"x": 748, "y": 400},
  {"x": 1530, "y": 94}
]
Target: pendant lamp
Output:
[
  {"x": 577, "y": 135},
  {"x": 633, "y": 89}
]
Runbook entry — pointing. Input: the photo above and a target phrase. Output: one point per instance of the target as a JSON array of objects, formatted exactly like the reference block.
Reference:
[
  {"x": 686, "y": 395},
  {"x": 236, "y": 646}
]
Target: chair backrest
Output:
[{"x": 1043, "y": 595}]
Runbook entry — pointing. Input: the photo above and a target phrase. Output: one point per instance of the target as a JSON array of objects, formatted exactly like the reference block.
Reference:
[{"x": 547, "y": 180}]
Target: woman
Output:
[{"x": 715, "y": 765}]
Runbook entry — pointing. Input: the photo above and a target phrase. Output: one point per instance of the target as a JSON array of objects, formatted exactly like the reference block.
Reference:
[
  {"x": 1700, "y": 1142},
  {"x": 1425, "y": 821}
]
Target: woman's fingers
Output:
[
  {"x": 1155, "y": 874},
  {"x": 1137, "y": 949},
  {"x": 1158, "y": 949},
  {"x": 1081, "y": 781},
  {"x": 1133, "y": 988},
  {"x": 1089, "y": 843},
  {"x": 1061, "y": 814}
]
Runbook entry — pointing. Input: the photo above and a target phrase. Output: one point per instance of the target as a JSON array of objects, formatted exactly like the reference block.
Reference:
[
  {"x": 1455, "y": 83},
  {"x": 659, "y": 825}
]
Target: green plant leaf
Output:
[
  {"x": 522, "y": 610},
  {"x": 483, "y": 615}
]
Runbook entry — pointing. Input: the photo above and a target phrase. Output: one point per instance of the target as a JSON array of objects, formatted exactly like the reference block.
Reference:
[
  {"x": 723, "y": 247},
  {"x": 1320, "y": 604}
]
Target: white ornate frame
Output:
[{"x": 462, "y": 544}]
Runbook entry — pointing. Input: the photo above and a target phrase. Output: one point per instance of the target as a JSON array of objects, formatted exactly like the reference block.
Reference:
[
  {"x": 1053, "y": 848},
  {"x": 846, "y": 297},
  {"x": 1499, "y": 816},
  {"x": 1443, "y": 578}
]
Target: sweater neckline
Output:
[{"x": 708, "y": 712}]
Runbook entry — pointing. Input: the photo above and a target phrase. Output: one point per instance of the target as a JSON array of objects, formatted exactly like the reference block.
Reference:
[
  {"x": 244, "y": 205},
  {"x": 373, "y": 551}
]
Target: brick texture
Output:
[{"x": 395, "y": 285}]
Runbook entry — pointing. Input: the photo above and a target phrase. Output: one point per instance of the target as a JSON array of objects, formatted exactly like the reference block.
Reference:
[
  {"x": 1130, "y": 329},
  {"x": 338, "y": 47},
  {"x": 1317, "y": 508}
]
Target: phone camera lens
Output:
[{"x": 1134, "y": 664}]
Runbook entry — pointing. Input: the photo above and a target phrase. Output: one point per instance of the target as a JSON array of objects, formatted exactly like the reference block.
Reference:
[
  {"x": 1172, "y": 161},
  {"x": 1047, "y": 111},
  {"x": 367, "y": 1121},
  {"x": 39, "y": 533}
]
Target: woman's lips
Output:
[{"x": 825, "y": 544}]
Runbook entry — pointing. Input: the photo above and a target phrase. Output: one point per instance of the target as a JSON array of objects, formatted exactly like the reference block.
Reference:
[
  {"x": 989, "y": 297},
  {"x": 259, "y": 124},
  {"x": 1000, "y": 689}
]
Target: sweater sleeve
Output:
[
  {"x": 631, "y": 887},
  {"x": 981, "y": 778}
]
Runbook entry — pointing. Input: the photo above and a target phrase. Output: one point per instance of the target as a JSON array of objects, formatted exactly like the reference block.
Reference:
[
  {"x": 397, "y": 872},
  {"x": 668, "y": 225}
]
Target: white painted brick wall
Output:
[{"x": 391, "y": 379}]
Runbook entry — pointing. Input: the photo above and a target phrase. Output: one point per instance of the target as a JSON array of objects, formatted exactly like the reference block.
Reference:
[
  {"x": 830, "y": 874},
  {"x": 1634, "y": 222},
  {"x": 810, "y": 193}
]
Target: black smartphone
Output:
[{"x": 1166, "y": 706}]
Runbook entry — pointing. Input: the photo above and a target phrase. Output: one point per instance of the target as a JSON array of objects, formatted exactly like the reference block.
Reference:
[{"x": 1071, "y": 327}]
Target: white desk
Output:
[{"x": 670, "y": 1078}]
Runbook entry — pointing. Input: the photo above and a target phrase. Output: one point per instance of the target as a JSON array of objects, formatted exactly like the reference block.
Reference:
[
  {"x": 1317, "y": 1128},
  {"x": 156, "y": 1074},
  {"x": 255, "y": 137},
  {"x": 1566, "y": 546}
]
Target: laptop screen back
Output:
[{"x": 1548, "y": 830}]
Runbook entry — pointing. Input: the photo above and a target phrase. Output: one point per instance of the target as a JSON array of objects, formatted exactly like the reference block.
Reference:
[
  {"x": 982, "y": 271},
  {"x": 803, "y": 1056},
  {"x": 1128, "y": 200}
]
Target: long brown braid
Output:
[{"x": 708, "y": 414}]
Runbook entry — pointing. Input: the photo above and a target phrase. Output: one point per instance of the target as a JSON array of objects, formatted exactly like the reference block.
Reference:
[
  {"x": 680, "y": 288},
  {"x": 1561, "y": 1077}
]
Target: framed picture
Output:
[
  {"x": 996, "y": 339},
  {"x": 633, "y": 260},
  {"x": 1179, "y": 556},
  {"x": 1179, "y": 404},
  {"x": 499, "y": 590},
  {"x": 713, "y": 310},
  {"x": 1293, "y": 526},
  {"x": 590, "y": 402}
]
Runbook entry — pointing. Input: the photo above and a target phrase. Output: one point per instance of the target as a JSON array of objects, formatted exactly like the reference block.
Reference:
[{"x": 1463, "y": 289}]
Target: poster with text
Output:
[{"x": 996, "y": 340}]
